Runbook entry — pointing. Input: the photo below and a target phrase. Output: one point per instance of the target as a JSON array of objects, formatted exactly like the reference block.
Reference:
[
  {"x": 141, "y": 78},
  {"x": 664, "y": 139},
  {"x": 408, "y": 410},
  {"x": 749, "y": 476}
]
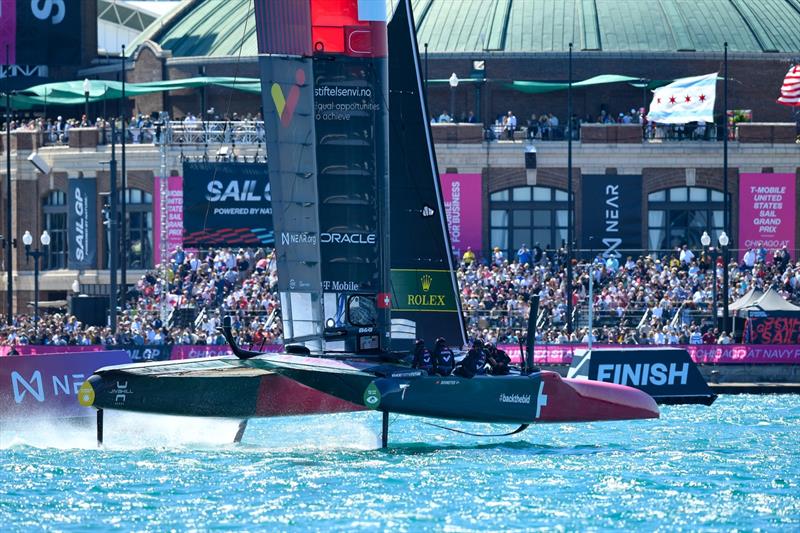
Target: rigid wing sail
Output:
[{"x": 361, "y": 246}]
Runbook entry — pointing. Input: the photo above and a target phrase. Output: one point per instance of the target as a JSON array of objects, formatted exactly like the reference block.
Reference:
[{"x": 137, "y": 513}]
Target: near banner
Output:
[
  {"x": 612, "y": 213},
  {"x": 226, "y": 204},
  {"x": 81, "y": 223}
]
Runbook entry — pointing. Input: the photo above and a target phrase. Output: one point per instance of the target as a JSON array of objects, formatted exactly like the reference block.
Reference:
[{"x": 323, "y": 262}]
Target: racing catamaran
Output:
[{"x": 351, "y": 155}]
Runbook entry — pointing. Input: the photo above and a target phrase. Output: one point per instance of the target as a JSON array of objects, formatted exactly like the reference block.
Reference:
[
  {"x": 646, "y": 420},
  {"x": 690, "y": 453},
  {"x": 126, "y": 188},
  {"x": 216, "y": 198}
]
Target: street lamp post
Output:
[
  {"x": 86, "y": 88},
  {"x": 453, "y": 84},
  {"x": 27, "y": 240},
  {"x": 723, "y": 242}
]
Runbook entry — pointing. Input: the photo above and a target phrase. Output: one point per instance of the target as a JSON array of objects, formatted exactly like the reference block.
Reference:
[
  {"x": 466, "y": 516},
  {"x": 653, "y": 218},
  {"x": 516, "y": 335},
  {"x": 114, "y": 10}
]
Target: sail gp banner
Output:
[
  {"x": 612, "y": 213},
  {"x": 226, "y": 204},
  {"x": 47, "y": 385},
  {"x": 464, "y": 209},
  {"x": 82, "y": 223},
  {"x": 767, "y": 211}
]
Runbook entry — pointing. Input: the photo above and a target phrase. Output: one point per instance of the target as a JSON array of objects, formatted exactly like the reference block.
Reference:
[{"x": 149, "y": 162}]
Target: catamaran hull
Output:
[
  {"x": 514, "y": 399},
  {"x": 214, "y": 387}
]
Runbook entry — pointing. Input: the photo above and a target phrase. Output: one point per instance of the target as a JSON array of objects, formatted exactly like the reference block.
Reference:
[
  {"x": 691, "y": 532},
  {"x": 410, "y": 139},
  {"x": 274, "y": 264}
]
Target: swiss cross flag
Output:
[{"x": 384, "y": 300}]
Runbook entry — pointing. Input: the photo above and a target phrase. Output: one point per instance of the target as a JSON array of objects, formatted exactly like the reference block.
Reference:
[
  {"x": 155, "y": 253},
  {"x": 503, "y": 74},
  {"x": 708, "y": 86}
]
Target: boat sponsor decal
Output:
[
  {"x": 86, "y": 394},
  {"x": 447, "y": 382},
  {"x": 300, "y": 285},
  {"x": 297, "y": 238},
  {"x": 372, "y": 396},
  {"x": 341, "y": 286},
  {"x": 541, "y": 399},
  {"x": 515, "y": 398},
  {"x": 121, "y": 392},
  {"x": 285, "y": 105},
  {"x": 422, "y": 290},
  {"x": 348, "y": 238},
  {"x": 642, "y": 374}
]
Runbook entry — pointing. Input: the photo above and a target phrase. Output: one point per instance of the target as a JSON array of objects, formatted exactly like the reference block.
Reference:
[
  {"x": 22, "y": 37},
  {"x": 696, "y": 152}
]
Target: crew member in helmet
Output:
[
  {"x": 443, "y": 358},
  {"x": 474, "y": 363},
  {"x": 422, "y": 357},
  {"x": 498, "y": 360}
]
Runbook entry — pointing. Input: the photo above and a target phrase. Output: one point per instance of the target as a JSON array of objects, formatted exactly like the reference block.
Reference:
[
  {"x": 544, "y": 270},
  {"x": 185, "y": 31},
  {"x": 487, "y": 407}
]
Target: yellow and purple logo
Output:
[{"x": 286, "y": 104}]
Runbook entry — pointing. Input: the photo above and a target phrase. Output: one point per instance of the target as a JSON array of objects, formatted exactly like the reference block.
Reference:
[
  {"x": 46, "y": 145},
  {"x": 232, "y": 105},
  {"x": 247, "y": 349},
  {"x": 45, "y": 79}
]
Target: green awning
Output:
[{"x": 71, "y": 92}]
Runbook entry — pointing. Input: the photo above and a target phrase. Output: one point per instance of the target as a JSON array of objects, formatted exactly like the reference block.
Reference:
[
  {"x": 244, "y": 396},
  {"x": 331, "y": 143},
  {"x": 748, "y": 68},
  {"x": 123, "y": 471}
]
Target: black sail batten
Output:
[{"x": 424, "y": 290}]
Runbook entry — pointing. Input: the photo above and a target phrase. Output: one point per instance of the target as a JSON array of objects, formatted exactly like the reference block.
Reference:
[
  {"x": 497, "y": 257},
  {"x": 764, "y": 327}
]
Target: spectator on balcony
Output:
[
  {"x": 471, "y": 118},
  {"x": 510, "y": 125},
  {"x": 552, "y": 121},
  {"x": 445, "y": 118},
  {"x": 533, "y": 127}
]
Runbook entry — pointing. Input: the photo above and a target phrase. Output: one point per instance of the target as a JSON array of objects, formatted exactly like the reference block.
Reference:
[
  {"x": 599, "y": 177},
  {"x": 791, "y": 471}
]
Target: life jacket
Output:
[
  {"x": 445, "y": 360},
  {"x": 424, "y": 360}
]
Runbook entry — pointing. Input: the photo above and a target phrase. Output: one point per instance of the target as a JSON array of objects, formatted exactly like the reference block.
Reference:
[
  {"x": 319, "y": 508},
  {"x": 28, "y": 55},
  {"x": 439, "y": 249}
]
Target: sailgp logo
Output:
[{"x": 286, "y": 104}]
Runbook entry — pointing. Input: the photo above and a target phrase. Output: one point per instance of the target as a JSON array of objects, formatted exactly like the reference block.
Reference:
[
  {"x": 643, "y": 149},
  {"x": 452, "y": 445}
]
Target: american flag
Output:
[{"x": 790, "y": 90}]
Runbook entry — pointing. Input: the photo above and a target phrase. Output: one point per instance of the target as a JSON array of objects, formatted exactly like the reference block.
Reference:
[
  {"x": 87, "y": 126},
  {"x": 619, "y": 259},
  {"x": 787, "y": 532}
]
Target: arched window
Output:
[
  {"x": 680, "y": 215},
  {"x": 54, "y": 214},
  {"x": 140, "y": 228},
  {"x": 527, "y": 215}
]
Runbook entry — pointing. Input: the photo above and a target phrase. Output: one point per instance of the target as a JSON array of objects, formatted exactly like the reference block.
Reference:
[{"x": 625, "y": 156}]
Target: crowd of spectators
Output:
[
  {"x": 241, "y": 284},
  {"x": 647, "y": 299}
]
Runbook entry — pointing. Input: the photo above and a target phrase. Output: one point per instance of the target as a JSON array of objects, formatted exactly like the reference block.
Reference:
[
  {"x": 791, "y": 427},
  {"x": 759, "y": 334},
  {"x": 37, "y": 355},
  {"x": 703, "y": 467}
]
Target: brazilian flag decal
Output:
[
  {"x": 372, "y": 396},
  {"x": 422, "y": 290}
]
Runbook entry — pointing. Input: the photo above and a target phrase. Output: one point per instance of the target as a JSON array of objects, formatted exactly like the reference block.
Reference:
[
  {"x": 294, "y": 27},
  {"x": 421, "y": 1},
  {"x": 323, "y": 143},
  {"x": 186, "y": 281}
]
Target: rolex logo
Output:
[{"x": 426, "y": 282}]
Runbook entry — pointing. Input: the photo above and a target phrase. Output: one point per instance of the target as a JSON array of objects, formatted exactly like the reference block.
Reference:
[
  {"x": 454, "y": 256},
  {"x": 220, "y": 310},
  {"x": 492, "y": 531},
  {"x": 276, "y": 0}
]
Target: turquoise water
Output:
[{"x": 735, "y": 465}]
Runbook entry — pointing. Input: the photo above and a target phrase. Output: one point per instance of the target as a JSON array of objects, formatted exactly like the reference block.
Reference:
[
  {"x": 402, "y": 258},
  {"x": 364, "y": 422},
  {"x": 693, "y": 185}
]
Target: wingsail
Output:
[
  {"x": 424, "y": 289},
  {"x": 325, "y": 97}
]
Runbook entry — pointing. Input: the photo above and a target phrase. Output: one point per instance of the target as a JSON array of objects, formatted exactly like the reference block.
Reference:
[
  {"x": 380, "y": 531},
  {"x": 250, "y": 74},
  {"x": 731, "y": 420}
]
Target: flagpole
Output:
[
  {"x": 726, "y": 202},
  {"x": 569, "y": 196}
]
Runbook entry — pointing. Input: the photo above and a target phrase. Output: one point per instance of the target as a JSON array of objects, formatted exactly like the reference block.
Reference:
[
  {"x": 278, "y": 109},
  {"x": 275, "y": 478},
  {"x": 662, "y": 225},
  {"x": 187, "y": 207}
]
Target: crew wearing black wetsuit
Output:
[
  {"x": 423, "y": 358},
  {"x": 499, "y": 361},
  {"x": 443, "y": 358},
  {"x": 474, "y": 363}
]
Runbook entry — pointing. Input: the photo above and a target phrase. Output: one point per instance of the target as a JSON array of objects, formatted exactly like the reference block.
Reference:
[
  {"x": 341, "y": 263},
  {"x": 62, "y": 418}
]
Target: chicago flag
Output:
[{"x": 684, "y": 100}]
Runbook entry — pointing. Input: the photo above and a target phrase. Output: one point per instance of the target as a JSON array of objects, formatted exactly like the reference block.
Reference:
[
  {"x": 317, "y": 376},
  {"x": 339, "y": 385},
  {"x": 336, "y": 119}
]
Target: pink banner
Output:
[
  {"x": 8, "y": 31},
  {"x": 766, "y": 211},
  {"x": 464, "y": 209},
  {"x": 173, "y": 216},
  {"x": 47, "y": 385},
  {"x": 180, "y": 351},
  {"x": 555, "y": 354}
]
